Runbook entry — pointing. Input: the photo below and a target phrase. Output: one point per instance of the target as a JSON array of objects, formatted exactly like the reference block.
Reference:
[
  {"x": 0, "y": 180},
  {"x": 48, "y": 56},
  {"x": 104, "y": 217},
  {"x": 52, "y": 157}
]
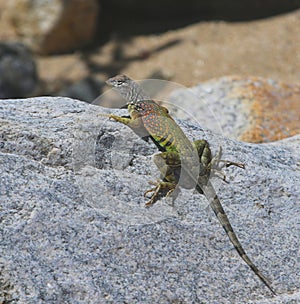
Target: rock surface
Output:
[
  {"x": 251, "y": 109},
  {"x": 53, "y": 26},
  {"x": 74, "y": 228}
]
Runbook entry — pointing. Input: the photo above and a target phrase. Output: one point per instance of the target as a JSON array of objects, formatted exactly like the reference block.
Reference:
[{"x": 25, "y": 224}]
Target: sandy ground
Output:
[{"x": 268, "y": 47}]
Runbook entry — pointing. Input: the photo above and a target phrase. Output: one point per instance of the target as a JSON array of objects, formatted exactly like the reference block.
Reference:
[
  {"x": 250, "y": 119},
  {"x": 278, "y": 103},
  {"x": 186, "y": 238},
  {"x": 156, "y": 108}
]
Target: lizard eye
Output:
[{"x": 137, "y": 106}]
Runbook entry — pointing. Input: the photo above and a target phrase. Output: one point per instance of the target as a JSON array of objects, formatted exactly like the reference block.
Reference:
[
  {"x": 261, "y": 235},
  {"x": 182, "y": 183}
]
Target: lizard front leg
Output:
[
  {"x": 126, "y": 120},
  {"x": 134, "y": 123},
  {"x": 167, "y": 162}
]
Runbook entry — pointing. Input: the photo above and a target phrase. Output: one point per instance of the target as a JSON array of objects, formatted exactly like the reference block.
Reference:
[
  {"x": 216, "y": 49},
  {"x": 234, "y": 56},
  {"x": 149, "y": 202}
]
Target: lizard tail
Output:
[{"x": 215, "y": 204}]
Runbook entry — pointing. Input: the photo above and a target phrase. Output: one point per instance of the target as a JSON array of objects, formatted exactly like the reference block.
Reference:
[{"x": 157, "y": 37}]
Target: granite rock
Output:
[
  {"x": 251, "y": 109},
  {"x": 74, "y": 228}
]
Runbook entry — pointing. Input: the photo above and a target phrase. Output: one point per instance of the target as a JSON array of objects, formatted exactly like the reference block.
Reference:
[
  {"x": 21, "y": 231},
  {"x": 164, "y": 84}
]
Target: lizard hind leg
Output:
[
  {"x": 169, "y": 166},
  {"x": 162, "y": 188},
  {"x": 217, "y": 164},
  {"x": 216, "y": 160}
]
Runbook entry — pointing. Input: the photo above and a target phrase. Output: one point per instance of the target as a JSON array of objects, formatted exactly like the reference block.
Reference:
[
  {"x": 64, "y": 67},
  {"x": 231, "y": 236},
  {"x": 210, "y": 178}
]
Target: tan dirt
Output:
[{"x": 268, "y": 48}]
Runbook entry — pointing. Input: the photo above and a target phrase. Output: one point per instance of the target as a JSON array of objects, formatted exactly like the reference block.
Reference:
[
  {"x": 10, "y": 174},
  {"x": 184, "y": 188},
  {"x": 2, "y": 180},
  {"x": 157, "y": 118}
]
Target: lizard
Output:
[{"x": 178, "y": 157}]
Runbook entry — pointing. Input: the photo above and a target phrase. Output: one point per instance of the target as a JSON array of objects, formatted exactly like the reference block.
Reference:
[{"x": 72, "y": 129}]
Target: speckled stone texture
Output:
[
  {"x": 251, "y": 109},
  {"x": 74, "y": 229}
]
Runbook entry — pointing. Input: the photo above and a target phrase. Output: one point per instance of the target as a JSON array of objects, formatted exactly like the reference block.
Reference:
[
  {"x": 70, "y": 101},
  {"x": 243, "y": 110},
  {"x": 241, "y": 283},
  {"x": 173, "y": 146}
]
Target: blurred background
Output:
[{"x": 70, "y": 48}]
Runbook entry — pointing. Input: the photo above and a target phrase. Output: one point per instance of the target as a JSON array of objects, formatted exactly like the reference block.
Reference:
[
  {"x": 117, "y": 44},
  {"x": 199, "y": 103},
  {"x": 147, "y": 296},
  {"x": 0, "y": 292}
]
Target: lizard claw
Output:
[
  {"x": 155, "y": 191},
  {"x": 215, "y": 163},
  {"x": 153, "y": 183},
  {"x": 159, "y": 187}
]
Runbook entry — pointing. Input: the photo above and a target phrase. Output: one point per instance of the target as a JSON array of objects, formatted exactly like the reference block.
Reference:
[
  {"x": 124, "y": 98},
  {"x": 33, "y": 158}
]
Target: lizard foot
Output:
[
  {"x": 215, "y": 162},
  {"x": 161, "y": 189},
  {"x": 216, "y": 168},
  {"x": 229, "y": 163}
]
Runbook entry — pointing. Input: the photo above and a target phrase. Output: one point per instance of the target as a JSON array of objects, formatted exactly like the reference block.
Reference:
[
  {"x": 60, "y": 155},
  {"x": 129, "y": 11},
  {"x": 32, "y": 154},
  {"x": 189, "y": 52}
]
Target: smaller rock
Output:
[
  {"x": 87, "y": 89},
  {"x": 18, "y": 73},
  {"x": 54, "y": 26}
]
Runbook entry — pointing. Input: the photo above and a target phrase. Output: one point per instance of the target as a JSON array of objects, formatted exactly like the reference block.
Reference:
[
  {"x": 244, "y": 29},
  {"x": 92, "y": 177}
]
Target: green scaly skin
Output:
[{"x": 180, "y": 157}]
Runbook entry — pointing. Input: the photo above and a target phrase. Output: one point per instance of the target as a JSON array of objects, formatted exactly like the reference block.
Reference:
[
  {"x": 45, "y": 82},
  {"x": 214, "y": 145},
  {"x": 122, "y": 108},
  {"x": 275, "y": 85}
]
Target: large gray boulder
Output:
[{"x": 74, "y": 228}]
